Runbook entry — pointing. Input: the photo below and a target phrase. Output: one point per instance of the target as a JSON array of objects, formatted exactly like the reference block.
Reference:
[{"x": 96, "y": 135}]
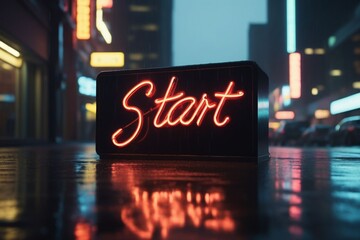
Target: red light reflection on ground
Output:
[
  {"x": 288, "y": 185},
  {"x": 83, "y": 231},
  {"x": 166, "y": 210},
  {"x": 152, "y": 211}
]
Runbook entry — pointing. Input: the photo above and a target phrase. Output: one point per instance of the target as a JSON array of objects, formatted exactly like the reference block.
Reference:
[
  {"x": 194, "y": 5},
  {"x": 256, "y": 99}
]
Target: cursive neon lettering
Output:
[
  {"x": 176, "y": 108},
  {"x": 171, "y": 113},
  {"x": 149, "y": 93},
  {"x": 223, "y": 97},
  {"x": 162, "y": 101}
]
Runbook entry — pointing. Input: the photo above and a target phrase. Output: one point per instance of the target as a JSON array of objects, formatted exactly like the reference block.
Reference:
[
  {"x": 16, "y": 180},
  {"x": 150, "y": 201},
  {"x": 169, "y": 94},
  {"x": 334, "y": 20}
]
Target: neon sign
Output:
[
  {"x": 83, "y": 13},
  {"x": 204, "y": 110},
  {"x": 199, "y": 108}
]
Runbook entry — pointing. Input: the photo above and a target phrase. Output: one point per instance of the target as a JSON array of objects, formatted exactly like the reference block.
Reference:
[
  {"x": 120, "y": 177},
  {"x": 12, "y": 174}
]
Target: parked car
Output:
[
  {"x": 316, "y": 135},
  {"x": 346, "y": 133},
  {"x": 289, "y": 132}
]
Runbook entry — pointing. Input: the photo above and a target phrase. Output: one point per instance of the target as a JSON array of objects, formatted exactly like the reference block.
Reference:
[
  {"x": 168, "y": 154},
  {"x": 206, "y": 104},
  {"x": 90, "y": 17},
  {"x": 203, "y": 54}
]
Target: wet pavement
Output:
[{"x": 67, "y": 192}]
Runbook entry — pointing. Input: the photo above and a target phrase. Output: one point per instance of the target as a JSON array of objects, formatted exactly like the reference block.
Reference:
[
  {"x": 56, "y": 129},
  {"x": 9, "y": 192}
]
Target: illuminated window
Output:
[
  {"x": 139, "y": 8},
  {"x": 319, "y": 51},
  {"x": 322, "y": 114},
  {"x": 309, "y": 51},
  {"x": 150, "y": 27},
  {"x": 356, "y": 85},
  {"x": 314, "y": 91},
  {"x": 335, "y": 73},
  {"x": 295, "y": 75},
  {"x": 136, "y": 56},
  {"x": 316, "y": 51}
]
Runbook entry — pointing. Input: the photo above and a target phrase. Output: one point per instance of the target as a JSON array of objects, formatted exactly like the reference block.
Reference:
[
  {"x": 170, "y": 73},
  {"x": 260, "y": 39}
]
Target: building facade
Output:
[
  {"x": 312, "y": 25},
  {"x": 47, "y": 69}
]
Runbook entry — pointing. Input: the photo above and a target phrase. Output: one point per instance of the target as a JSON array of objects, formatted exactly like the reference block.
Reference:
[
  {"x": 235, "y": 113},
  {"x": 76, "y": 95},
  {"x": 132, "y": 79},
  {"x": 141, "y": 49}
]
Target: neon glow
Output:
[
  {"x": 87, "y": 86},
  {"x": 274, "y": 125},
  {"x": 107, "y": 59},
  {"x": 291, "y": 25},
  {"x": 295, "y": 75},
  {"x": 346, "y": 104},
  {"x": 285, "y": 115},
  {"x": 83, "y": 20},
  {"x": 331, "y": 41},
  {"x": 105, "y": 3},
  {"x": 9, "y": 49},
  {"x": 10, "y": 59},
  {"x": 149, "y": 93},
  {"x": 285, "y": 94},
  {"x": 91, "y": 107},
  {"x": 100, "y": 24},
  {"x": 185, "y": 110}
]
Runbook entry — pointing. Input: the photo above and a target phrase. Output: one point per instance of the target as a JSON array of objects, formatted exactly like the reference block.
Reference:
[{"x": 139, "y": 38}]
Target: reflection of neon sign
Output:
[
  {"x": 176, "y": 209},
  {"x": 185, "y": 110}
]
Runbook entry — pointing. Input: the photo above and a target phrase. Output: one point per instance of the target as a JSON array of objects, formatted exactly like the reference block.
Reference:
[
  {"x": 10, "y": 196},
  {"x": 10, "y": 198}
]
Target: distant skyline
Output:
[{"x": 207, "y": 31}]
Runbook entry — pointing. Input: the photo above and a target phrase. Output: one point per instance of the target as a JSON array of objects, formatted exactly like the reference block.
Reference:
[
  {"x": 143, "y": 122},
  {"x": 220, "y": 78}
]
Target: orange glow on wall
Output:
[
  {"x": 295, "y": 75},
  {"x": 83, "y": 13},
  {"x": 176, "y": 108},
  {"x": 284, "y": 115}
]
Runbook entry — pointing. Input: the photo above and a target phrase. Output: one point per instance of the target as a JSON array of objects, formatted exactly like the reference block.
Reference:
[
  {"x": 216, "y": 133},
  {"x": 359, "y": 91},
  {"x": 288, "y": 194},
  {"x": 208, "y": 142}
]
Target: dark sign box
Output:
[{"x": 210, "y": 110}]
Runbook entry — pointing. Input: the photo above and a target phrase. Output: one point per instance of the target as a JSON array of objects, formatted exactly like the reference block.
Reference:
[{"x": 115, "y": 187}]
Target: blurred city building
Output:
[
  {"x": 24, "y": 59},
  {"x": 310, "y": 55},
  {"x": 51, "y": 52},
  {"x": 143, "y": 29}
]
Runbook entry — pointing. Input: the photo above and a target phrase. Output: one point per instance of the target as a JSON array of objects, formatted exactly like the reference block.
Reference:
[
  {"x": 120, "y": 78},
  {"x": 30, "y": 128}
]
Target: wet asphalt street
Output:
[{"x": 67, "y": 192}]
